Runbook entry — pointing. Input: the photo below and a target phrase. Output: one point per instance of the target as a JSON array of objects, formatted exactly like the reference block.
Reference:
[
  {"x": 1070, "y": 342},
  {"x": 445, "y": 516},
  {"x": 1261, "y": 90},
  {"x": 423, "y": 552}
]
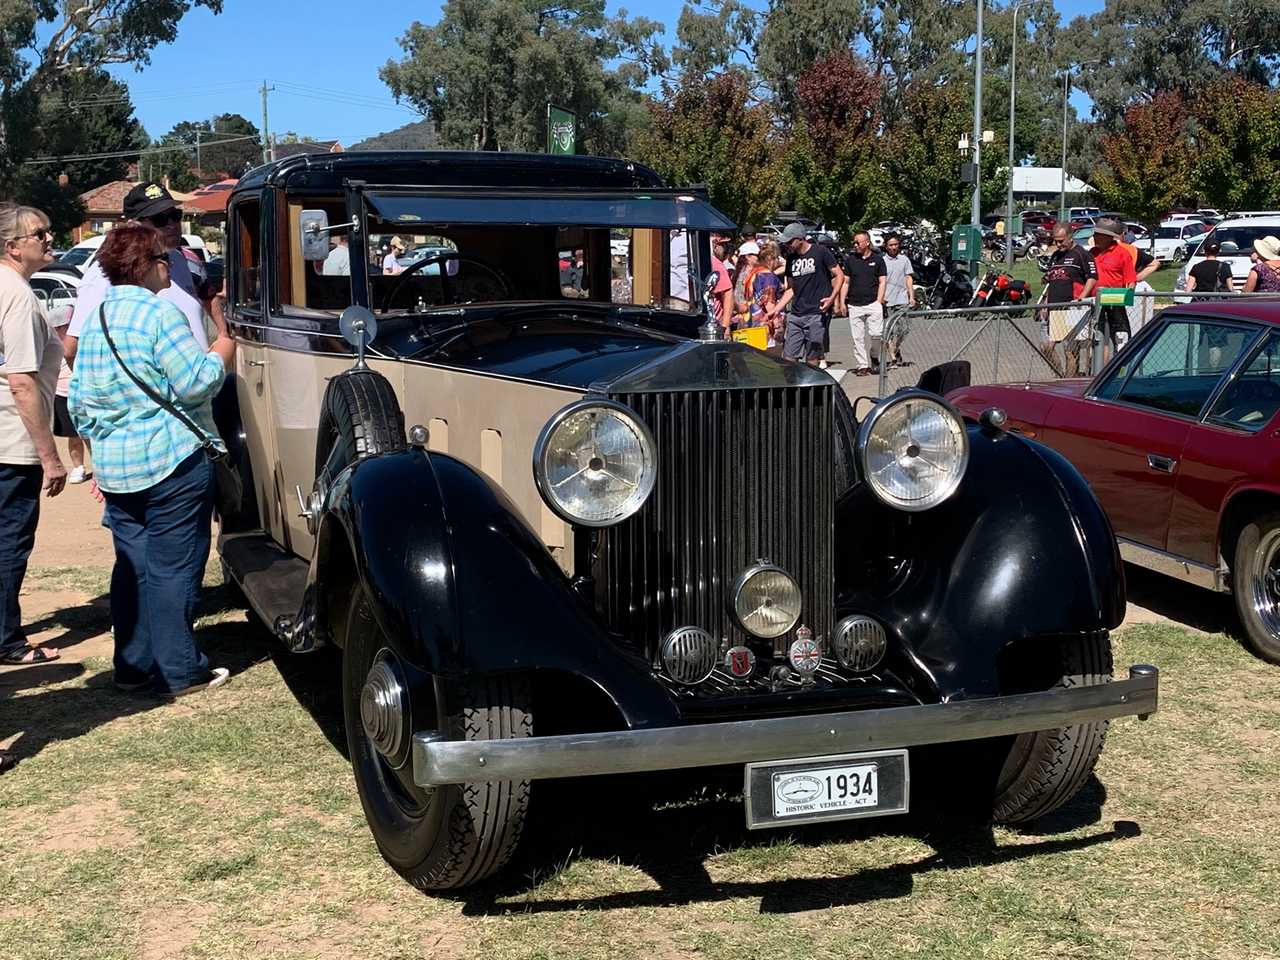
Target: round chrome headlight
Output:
[
  {"x": 766, "y": 601},
  {"x": 594, "y": 463},
  {"x": 913, "y": 450}
]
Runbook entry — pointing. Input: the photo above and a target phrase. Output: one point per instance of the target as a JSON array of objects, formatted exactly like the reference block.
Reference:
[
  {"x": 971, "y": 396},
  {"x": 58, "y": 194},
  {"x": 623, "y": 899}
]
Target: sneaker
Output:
[
  {"x": 822, "y": 364},
  {"x": 131, "y": 686},
  {"x": 218, "y": 676},
  {"x": 77, "y": 476}
]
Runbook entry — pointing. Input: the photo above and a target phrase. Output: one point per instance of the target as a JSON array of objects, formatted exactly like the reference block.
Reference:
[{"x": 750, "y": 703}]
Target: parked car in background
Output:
[
  {"x": 86, "y": 251},
  {"x": 612, "y": 542},
  {"x": 1169, "y": 242},
  {"x": 1079, "y": 213},
  {"x": 56, "y": 290},
  {"x": 1209, "y": 215},
  {"x": 1178, "y": 439},
  {"x": 1235, "y": 241}
]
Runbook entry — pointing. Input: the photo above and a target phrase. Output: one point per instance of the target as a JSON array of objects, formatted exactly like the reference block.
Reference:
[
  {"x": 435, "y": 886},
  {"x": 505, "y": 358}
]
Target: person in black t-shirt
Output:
[
  {"x": 814, "y": 278},
  {"x": 1210, "y": 275},
  {"x": 1071, "y": 276},
  {"x": 863, "y": 296}
]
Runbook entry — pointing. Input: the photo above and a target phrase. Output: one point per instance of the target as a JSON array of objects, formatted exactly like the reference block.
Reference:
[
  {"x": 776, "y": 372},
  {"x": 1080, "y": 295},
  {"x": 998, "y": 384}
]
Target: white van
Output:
[
  {"x": 86, "y": 251},
  {"x": 1235, "y": 239}
]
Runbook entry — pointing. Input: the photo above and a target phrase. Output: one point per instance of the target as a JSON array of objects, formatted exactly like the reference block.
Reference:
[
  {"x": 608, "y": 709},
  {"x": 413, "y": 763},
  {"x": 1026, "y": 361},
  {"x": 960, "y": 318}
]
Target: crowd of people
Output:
[
  {"x": 792, "y": 289},
  {"x": 144, "y": 353}
]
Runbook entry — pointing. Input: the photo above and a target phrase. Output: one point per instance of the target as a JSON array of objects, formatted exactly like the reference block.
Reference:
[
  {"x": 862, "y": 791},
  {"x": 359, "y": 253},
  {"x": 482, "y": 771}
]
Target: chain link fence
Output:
[{"x": 1016, "y": 343}]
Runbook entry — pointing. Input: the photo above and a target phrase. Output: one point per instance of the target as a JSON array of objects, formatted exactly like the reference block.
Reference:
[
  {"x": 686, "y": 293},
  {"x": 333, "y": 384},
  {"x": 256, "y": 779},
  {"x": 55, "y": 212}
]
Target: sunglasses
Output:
[
  {"x": 44, "y": 234},
  {"x": 166, "y": 218}
]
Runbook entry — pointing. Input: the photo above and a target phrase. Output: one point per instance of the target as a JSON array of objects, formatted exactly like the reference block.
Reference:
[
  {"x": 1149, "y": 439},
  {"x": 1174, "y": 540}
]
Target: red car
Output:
[{"x": 1180, "y": 440}]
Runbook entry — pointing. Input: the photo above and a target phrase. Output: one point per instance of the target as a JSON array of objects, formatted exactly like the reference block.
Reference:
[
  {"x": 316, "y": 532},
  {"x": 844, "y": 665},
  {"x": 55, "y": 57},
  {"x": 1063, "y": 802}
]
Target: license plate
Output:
[{"x": 815, "y": 789}]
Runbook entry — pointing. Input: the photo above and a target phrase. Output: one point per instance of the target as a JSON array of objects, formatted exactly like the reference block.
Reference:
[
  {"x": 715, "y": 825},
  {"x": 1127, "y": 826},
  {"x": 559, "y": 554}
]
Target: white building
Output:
[{"x": 1043, "y": 185}]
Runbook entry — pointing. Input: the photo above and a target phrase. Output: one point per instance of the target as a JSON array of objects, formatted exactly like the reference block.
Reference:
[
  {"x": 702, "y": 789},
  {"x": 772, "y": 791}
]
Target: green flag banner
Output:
[{"x": 562, "y": 131}]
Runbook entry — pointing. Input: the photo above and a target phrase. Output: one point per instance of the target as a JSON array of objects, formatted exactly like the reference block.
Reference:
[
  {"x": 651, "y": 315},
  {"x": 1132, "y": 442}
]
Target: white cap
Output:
[{"x": 749, "y": 247}]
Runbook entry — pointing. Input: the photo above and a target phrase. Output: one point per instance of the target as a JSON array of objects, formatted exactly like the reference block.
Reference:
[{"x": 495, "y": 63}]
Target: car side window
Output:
[
  {"x": 1181, "y": 367},
  {"x": 247, "y": 289},
  {"x": 1253, "y": 398}
]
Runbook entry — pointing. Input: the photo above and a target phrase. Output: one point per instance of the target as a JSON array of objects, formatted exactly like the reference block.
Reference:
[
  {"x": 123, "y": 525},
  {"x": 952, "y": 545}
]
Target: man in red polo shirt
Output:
[{"x": 1115, "y": 268}]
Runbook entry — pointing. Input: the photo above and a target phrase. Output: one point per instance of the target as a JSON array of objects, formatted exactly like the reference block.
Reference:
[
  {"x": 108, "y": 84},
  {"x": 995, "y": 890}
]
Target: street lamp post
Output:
[
  {"x": 976, "y": 207},
  {"x": 1013, "y": 83}
]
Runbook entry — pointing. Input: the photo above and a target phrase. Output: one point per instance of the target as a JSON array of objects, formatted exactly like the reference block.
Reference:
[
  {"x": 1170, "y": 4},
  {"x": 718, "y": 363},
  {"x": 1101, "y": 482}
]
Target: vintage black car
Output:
[{"x": 610, "y": 541}]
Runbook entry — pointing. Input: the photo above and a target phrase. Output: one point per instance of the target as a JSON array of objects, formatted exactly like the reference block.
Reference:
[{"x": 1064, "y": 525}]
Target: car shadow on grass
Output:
[
  {"x": 635, "y": 822},
  {"x": 59, "y": 713},
  {"x": 1183, "y": 604}
]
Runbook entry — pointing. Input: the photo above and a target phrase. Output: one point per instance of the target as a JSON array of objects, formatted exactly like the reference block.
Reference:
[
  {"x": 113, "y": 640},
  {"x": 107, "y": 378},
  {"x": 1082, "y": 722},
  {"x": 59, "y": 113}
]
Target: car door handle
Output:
[
  {"x": 257, "y": 363},
  {"x": 1161, "y": 464}
]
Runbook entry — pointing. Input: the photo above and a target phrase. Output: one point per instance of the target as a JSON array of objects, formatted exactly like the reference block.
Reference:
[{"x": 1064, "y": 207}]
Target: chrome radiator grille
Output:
[{"x": 743, "y": 475}]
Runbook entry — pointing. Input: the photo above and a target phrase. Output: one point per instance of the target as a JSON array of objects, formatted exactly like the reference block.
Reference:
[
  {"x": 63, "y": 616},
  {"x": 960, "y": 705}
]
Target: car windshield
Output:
[
  {"x": 1242, "y": 237},
  {"x": 77, "y": 256},
  {"x": 1168, "y": 233}
]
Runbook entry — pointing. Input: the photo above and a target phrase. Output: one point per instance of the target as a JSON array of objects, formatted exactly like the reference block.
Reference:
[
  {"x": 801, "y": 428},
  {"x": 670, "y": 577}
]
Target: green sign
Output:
[
  {"x": 562, "y": 131},
  {"x": 1015, "y": 225},
  {"x": 966, "y": 242},
  {"x": 1115, "y": 296}
]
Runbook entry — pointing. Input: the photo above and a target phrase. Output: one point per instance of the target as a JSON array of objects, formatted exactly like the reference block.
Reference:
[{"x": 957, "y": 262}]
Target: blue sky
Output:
[{"x": 322, "y": 59}]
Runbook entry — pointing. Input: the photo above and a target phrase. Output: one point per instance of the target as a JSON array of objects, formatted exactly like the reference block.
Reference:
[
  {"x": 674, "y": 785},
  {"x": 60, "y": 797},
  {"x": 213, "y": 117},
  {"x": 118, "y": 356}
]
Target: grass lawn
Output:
[
  {"x": 1162, "y": 279},
  {"x": 226, "y": 825}
]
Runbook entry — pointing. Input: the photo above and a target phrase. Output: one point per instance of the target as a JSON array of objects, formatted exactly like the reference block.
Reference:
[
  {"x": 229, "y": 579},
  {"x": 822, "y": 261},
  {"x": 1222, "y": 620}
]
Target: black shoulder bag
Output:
[{"x": 230, "y": 488}]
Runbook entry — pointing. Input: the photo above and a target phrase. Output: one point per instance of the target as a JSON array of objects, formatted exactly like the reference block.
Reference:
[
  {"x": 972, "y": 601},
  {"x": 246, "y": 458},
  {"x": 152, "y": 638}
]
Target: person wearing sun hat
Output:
[
  {"x": 1265, "y": 275},
  {"x": 391, "y": 262},
  {"x": 1116, "y": 269}
]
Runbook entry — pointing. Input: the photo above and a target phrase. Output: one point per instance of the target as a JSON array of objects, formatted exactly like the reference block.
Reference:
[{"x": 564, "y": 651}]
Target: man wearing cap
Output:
[
  {"x": 1116, "y": 269},
  {"x": 152, "y": 204},
  {"x": 814, "y": 278}
]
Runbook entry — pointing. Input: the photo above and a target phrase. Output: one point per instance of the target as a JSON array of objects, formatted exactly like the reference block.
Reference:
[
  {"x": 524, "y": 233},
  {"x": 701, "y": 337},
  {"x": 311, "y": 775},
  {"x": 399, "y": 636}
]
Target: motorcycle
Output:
[
  {"x": 999, "y": 289},
  {"x": 939, "y": 285}
]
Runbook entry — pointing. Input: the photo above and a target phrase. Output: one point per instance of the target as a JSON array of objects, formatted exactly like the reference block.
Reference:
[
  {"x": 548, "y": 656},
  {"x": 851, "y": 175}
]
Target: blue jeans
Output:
[
  {"x": 161, "y": 537},
  {"x": 19, "y": 510}
]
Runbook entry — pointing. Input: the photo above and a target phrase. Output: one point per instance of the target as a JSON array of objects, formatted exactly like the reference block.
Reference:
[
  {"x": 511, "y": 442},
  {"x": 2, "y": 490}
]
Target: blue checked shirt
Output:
[{"x": 136, "y": 444}]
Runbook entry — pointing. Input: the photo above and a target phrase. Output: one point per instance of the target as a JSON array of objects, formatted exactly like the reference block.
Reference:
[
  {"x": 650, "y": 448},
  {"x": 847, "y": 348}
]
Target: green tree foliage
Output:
[
  {"x": 1145, "y": 46},
  {"x": 920, "y": 165},
  {"x": 42, "y": 43},
  {"x": 485, "y": 73},
  {"x": 710, "y": 131},
  {"x": 228, "y": 144},
  {"x": 1148, "y": 162},
  {"x": 1237, "y": 145},
  {"x": 832, "y": 157}
]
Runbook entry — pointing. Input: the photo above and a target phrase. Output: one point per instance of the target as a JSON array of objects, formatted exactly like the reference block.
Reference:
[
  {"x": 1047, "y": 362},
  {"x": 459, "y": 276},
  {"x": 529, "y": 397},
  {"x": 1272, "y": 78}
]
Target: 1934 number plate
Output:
[{"x": 814, "y": 789}]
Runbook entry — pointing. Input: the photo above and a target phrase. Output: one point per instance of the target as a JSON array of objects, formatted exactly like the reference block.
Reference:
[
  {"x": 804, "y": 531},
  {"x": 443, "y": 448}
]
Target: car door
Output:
[
  {"x": 1127, "y": 436},
  {"x": 244, "y": 231},
  {"x": 1234, "y": 445}
]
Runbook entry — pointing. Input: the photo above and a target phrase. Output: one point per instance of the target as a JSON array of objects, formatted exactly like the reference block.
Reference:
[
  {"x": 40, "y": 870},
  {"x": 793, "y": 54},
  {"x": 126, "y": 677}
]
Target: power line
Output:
[{"x": 119, "y": 154}]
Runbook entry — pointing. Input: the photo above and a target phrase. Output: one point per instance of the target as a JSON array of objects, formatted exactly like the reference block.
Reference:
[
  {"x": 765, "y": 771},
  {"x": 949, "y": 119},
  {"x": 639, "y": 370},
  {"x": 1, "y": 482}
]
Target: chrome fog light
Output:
[
  {"x": 689, "y": 654},
  {"x": 766, "y": 601},
  {"x": 860, "y": 644}
]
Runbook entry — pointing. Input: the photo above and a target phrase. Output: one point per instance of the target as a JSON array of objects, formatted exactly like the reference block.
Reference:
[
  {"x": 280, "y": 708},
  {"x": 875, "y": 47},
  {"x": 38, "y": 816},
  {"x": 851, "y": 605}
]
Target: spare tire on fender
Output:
[{"x": 360, "y": 417}]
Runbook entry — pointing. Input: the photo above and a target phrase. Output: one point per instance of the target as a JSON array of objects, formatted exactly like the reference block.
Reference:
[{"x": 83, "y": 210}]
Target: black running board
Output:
[{"x": 274, "y": 582}]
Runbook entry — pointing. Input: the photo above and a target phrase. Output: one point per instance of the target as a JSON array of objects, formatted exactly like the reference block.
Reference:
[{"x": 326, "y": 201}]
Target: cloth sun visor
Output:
[{"x": 663, "y": 210}]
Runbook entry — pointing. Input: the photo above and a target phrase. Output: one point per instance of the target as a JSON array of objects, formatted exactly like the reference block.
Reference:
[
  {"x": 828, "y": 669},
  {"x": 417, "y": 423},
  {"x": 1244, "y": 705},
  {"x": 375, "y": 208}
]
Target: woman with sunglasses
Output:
[
  {"x": 30, "y": 357},
  {"x": 142, "y": 391}
]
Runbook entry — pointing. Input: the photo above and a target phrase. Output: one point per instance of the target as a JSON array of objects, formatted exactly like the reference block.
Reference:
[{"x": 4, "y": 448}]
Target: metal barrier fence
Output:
[{"x": 1014, "y": 343}]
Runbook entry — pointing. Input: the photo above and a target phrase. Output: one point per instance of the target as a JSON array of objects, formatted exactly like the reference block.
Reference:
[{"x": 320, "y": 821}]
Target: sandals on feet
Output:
[{"x": 26, "y": 656}]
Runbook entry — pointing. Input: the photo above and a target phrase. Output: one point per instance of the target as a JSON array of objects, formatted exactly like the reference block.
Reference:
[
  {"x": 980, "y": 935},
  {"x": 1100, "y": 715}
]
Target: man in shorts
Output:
[{"x": 814, "y": 278}]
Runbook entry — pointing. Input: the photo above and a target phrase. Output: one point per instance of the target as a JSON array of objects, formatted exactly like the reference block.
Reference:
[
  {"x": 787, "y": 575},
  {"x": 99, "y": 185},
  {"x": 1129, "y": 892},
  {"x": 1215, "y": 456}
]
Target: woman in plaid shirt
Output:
[{"x": 157, "y": 479}]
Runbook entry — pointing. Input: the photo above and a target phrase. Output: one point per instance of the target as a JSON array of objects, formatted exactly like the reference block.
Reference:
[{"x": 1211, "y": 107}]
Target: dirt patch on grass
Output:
[
  {"x": 85, "y": 826},
  {"x": 167, "y": 934}
]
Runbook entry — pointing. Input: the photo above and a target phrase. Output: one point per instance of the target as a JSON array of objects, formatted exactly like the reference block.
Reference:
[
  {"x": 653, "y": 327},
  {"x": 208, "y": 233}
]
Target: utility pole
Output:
[
  {"x": 199, "y": 165},
  {"x": 1013, "y": 86},
  {"x": 976, "y": 208},
  {"x": 1062, "y": 197},
  {"x": 266, "y": 137}
]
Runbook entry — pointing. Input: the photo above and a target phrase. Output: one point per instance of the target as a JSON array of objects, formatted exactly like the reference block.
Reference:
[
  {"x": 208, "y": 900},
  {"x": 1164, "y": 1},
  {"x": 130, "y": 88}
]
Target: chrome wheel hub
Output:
[
  {"x": 384, "y": 708},
  {"x": 1264, "y": 582}
]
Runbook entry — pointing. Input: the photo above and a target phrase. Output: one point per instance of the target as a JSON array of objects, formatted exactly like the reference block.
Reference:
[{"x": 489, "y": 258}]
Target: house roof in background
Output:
[
  {"x": 1045, "y": 180},
  {"x": 108, "y": 198},
  {"x": 210, "y": 199}
]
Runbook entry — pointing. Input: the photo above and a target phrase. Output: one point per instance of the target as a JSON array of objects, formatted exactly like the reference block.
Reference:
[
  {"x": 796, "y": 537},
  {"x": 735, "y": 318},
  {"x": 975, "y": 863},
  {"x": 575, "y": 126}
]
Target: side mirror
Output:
[
  {"x": 358, "y": 326},
  {"x": 314, "y": 228},
  {"x": 1229, "y": 248}
]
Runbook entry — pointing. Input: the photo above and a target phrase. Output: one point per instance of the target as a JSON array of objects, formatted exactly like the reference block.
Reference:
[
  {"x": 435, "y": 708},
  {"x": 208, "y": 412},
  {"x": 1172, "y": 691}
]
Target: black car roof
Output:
[{"x": 449, "y": 168}]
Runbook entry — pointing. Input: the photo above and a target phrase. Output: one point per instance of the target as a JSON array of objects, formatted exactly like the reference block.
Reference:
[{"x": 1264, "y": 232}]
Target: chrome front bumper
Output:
[{"x": 437, "y": 761}]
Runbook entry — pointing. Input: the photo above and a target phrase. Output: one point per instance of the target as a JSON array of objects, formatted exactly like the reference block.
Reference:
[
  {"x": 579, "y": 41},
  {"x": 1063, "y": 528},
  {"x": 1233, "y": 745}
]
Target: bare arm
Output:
[
  {"x": 1251, "y": 283},
  {"x": 880, "y": 289},
  {"x": 1089, "y": 284},
  {"x": 1191, "y": 282},
  {"x": 70, "y": 345},
  {"x": 911, "y": 291},
  {"x": 1148, "y": 270},
  {"x": 837, "y": 288},
  {"x": 26, "y": 397},
  {"x": 223, "y": 345}
]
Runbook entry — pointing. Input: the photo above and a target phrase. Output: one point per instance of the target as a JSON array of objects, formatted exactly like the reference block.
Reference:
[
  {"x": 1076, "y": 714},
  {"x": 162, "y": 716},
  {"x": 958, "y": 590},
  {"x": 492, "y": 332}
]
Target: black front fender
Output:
[
  {"x": 460, "y": 585},
  {"x": 1022, "y": 550}
]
